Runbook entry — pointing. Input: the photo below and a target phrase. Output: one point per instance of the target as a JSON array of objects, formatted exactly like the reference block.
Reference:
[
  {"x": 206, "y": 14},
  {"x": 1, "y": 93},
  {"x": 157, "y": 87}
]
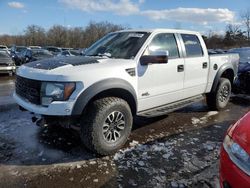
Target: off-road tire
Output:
[
  {"x": 218, "y": 99},
  {"x": 93, "y": 121}
]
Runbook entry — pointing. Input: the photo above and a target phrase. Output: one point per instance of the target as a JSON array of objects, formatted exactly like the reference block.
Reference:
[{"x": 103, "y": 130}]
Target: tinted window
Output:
[
  {"x": 192, "y": 45},
  {"x": 165, "y": 42},
  {"x": 41, "y": 53},
  {"x": 28, "y": 53},
  {"x": 20, "y": 49},
  {"x": 74, "y": 53},
  {"x": 65, "y": 53},
  {"x": 54, "y": 49}
]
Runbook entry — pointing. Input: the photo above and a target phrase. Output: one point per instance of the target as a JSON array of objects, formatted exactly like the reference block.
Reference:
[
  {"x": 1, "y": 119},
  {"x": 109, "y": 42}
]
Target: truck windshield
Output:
[{"x": 124, "y": 45}]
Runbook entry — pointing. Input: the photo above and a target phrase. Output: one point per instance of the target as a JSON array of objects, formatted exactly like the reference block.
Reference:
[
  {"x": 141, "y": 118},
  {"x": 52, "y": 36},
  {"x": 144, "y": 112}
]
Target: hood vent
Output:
[{"x": 52, "y": 63}]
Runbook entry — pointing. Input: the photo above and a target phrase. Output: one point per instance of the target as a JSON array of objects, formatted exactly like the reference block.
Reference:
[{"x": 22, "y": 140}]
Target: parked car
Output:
[
  {"x": 69, "y": 53},
  {"x": 54, "y": 50},
  {"x": 29, "y": 55},
  {"x": 235, "y": 155},
  {"x": 242, "y": 84},
  {"x": 17, "y": 49},
  {"x": 7, "y": 65},
  {"x": 15, "y": 53},
  {"x": 127, "y": 73},
  {"x": 5, "y": 48}
]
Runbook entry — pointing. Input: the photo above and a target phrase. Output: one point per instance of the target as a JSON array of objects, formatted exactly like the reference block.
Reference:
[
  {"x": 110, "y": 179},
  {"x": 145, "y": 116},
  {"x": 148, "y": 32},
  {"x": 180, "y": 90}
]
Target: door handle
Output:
[
  {"x": 204, "y": 65},
  {"x": 180, "y": 68}
]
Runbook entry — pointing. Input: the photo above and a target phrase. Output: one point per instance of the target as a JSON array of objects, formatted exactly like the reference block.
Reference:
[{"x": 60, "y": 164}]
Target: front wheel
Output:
[
  {"x": 219, "y": 99},
  {"x": 106, "y": 125}
]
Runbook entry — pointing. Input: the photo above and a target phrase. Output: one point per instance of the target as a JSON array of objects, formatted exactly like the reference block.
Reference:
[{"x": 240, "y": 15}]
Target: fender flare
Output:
[
  {"x": 98, "y": 87},
  {"x": 222, "y": 69}
]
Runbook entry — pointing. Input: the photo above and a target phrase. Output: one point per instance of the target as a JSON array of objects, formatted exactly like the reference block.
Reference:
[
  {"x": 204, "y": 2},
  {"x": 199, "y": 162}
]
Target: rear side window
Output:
[
  {"x": 192, "y": 45},
  {"x": 165, "y": 42}
]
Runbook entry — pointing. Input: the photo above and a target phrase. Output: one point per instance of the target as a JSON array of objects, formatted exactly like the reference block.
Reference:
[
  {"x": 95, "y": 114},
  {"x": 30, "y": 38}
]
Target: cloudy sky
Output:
[{"x": 200, "y": 15}]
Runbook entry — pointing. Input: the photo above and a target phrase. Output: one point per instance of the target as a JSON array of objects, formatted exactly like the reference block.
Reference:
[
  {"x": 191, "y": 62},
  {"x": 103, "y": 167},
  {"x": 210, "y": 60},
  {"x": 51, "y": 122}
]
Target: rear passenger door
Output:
[{"x": 196, "y": 65}]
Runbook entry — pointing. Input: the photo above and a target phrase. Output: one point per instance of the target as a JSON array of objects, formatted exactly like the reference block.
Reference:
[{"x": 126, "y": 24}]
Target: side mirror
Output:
[{"x": 155, "y": 57}]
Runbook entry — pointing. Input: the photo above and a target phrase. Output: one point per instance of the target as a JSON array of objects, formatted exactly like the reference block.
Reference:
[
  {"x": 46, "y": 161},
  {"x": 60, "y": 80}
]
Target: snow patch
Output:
[
  {"x": 212, "y": 113},
  {"x": 133, "y": 143},
  {"x": 203, "y": 119}
]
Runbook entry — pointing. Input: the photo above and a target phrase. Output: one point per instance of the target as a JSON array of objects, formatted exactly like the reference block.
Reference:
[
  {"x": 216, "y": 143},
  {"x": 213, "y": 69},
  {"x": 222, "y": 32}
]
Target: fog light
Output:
[{"x": 46, "y": 101}]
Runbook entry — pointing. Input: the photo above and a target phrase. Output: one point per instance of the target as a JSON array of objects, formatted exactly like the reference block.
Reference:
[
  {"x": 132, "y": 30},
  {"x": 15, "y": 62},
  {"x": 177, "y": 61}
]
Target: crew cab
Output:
[{"x": 126, "y": 73}]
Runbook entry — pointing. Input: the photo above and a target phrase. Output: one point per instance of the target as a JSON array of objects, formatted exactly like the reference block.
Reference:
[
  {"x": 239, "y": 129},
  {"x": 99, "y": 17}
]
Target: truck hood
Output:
[
  {"x": 75, "y": 68},
  {"x": 56, "y": 62}
]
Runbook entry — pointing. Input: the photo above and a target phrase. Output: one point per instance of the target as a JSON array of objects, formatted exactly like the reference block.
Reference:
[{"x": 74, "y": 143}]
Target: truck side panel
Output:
[{"x": 218, "y": 64}]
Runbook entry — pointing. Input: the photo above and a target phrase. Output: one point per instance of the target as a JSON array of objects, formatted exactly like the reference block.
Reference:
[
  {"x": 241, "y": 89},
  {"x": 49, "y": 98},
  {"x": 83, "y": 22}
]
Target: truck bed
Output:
[{"x": 228, "y": 59}]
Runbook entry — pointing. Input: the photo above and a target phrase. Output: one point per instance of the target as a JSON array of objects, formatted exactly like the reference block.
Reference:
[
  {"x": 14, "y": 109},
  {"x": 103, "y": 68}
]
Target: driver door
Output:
[{"x": 160, "y": 84}]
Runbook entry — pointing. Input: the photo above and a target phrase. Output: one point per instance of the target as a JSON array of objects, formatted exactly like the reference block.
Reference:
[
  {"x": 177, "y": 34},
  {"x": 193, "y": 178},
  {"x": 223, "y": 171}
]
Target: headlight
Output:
[
  {"x": 237, "y": 154},
  {"x": 55, "y": 92},
  {"x": 11, "y": 63}
]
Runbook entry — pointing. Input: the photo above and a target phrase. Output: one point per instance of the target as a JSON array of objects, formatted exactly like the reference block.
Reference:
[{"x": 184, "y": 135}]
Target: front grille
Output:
[
  {"x": 4, "y": 65},
  {"x": 28, "y": 89}
]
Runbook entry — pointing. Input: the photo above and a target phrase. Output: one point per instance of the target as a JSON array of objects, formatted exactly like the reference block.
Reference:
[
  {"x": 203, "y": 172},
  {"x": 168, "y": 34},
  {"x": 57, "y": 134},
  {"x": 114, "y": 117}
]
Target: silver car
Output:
[{"x": 7, "y": 65}]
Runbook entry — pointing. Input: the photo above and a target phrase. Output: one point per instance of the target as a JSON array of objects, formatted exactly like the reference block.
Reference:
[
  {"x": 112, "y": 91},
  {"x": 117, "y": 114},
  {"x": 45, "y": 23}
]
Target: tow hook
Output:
[
  {"x": 34, "y": 119},
  {"x": 39, "y": 121}
]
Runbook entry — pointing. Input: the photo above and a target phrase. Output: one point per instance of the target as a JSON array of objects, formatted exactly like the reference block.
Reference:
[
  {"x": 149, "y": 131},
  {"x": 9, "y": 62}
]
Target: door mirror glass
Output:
[
  {"x": 159, "y": 52},
  {"x": 155, "y": 57}
]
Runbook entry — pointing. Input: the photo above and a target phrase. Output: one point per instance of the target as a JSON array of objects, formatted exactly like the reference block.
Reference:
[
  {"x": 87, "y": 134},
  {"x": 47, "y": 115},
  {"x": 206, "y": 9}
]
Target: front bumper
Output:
[
  {"x": 230, "y": 175},
  {"x": 56, "y": 108}
]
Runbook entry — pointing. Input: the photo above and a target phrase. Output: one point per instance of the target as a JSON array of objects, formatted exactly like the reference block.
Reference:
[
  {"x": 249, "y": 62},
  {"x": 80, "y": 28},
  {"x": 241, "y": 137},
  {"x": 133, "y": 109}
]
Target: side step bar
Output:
[{"x": 162, "y": 110}]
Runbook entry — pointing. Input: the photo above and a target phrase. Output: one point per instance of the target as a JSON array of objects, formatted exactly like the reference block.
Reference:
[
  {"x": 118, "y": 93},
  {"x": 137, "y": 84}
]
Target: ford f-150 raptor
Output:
[{"x": 126, "y": 73}]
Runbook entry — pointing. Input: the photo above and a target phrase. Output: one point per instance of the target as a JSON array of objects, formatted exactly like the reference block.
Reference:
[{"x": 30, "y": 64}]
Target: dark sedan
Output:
[
  {"x": 15, "y": 53},
  {"x": 29, "y": 55},
  {"x": 242, "y": 83}
]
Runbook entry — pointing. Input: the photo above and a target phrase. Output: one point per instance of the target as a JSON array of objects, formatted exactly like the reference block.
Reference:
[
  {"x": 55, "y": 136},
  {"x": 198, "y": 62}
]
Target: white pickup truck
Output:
[{"x": 126, "y": 73}]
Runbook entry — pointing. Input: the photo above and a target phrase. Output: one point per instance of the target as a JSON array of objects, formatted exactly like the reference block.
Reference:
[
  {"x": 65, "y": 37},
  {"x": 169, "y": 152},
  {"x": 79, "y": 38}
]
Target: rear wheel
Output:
[
  {"x": 106, "y": 125},
  {"x": 219, "y": 99}
]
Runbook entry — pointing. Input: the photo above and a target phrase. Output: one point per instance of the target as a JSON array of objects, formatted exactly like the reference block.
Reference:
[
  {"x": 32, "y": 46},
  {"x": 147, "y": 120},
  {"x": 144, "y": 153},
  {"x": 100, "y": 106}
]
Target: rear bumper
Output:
[{"x": 230, "y": 175}]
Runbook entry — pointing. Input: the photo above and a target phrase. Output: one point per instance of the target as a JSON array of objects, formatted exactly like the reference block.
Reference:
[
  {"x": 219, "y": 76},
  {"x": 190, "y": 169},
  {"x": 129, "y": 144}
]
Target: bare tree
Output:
[
  {"x": 57, "y": 36},
  {"x": 95, "y": 31},
  {"x": 246, "y": 20},
  {"x": 35, "y": 35},
  {"x": 76, "y": 37},
  {"x": 233, "y": 29}
]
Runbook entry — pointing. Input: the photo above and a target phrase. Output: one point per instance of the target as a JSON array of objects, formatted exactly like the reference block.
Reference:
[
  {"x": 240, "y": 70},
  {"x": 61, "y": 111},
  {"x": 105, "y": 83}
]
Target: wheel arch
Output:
[
  {"x": 106, "y": 88},
  {"x": 226, "y": 71}
]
